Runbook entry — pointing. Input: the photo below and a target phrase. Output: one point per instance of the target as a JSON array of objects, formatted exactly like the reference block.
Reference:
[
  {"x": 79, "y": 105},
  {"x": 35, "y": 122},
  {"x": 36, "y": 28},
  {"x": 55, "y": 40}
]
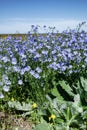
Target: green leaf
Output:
[
  {"x": 84, "y": 83},
  {"x": 66, "y": 87},
  {"x": 26, "y": 113},
  {"x": 20, "y": 106},
  {"x": 56, "y": 93},
  {"x": 84, "y": 114},
  {"x": 68, "y": 114},
  {"x": 42, "y": 126}
]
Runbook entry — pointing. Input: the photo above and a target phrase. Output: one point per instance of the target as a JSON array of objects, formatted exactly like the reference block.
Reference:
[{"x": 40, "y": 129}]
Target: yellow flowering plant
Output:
[
  {"x": 52, "y": 117},
  {"x": 34, "y": 105},
  {"x": 12, "y": 99}
]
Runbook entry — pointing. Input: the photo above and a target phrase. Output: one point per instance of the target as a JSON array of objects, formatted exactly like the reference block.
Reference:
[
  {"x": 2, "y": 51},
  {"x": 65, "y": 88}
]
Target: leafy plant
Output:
[
  {"x": 43, "y": 126},
  {"x": 49, "y": 70}
]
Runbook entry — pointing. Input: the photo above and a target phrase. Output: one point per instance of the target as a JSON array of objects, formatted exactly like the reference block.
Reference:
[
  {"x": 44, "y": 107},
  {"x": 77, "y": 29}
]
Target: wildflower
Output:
[
  {"x": 36, "y": 75},
  {"x": 39, "y": 70},
  {"x": 14, "y": 61},
  {"x": 6, "y": 88},
  {"x": 12, "y": 99},
  {"x": 37, "y": 55},
  {"x": 8, "y": 82},
  {"x": 1, "y": 95},
  {"x": 52, "y": 117},
  {"x": 1, "y": 83},
  {"x": 44, "y": 26},
  {"x": 16, "y": 68},
  {"x": 32, "y": 26},
  {"x": 4, "y": 77},
  {"x": 5, "y": 59},
  {"x": 22, "y": 71},
  {"x": 20, "y": 82},
  {"x": 44, "y": 52},
  {"x": 32, "y": 72},
  {"x": 27, "y": 68},
  {"x": 34, "y": 105}
]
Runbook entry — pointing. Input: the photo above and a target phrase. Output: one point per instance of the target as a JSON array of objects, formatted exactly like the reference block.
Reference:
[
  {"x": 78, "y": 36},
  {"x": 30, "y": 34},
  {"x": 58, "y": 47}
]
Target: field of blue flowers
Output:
[{"x": 43, "y": 78}]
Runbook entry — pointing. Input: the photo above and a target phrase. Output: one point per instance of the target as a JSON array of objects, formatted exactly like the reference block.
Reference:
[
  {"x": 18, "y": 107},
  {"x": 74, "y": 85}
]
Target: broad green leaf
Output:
[
  {"x": 20, "y": 106},
  {"x": 84, "y": 83},
  {"x": 27, "y": 113},
  {"x": 56, "y": 93},
  {"x": 42, "y": 126},
  {"x": 66, "y": 87}
]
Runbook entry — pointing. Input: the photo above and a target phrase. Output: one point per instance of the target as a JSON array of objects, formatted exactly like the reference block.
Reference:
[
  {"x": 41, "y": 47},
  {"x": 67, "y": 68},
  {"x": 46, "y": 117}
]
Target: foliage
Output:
[
  {"x": 43, "y": 126},
  {"x": 44, "y": 77},
  {"x": 62, "y": 114}
]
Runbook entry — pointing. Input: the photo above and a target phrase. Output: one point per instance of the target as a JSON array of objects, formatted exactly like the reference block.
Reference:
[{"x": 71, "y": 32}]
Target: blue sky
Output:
[{"x": 19, "y": 15}]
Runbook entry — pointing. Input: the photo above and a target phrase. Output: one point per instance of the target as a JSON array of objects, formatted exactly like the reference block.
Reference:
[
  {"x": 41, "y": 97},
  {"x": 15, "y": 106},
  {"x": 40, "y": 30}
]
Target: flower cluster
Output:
[{"x": 63, "y": 53}]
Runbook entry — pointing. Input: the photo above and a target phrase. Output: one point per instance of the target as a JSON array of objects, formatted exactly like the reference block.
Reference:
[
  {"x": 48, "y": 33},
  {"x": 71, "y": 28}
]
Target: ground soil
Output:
[{"x": 12, "y": 122}]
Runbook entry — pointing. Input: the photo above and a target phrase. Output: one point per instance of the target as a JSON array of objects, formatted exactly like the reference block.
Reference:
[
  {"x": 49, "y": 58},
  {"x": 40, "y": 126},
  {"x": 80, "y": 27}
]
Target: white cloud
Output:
[{"x": 23, "y": 25}]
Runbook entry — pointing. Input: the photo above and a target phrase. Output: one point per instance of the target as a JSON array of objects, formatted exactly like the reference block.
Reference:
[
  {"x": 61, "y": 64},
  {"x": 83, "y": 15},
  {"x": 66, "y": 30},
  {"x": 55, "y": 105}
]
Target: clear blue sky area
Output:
[{"x": 18, "y": 15}]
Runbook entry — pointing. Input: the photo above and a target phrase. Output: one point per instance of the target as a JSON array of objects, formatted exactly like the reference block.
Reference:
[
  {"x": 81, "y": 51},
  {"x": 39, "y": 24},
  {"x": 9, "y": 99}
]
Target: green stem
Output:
[
  {"x": 67, "y": 128},
  {"x": 68, "y": 123}
]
